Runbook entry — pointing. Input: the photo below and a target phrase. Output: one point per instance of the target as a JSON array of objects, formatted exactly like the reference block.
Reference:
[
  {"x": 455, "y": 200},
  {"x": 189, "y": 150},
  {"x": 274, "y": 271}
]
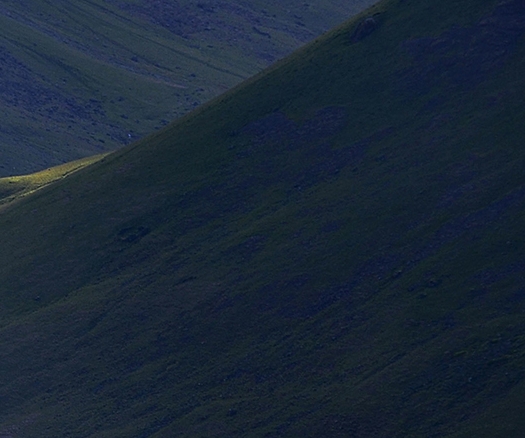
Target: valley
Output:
[{"x": 84, "y": 77}]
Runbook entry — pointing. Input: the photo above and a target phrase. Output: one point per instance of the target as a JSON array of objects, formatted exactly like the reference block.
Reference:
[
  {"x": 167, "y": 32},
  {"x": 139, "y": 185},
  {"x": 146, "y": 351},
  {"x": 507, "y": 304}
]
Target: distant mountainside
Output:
[
  {"x": 332, "y": 248},
  {"x": 85, "y": 76}
]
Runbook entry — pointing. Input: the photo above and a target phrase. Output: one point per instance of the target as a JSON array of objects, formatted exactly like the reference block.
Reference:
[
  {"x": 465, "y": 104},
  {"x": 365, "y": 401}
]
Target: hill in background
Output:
[
  {"x": 333, "y": 248},
  {"x": 81, "y": 77}
]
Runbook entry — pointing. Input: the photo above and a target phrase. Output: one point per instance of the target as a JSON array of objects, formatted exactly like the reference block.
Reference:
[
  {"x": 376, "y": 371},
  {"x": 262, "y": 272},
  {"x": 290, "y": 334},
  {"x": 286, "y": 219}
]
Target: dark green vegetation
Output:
[
  {"x": 333, "y": 248},
  {"x": 85, "y": 76}
]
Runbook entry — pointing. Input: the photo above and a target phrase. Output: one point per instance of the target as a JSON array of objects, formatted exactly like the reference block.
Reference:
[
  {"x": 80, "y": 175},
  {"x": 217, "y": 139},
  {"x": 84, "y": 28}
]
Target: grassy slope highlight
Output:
[
  {"x": 334, "y": 248},
  {"x": 13, "y": 188}
]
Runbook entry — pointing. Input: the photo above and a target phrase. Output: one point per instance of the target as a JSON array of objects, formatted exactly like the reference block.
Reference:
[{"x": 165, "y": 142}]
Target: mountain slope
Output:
[
  {"x": 81, "y": 77},
  {"x": 333, "y": 248}
]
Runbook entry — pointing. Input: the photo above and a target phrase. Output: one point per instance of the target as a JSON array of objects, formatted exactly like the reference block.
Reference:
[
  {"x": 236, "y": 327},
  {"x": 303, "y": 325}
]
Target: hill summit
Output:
[{"x": 333, "y": 248}]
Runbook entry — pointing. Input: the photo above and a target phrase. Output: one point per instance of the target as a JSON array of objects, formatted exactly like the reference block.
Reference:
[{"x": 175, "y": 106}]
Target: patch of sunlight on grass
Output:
[{"x": 15, "y": 187}]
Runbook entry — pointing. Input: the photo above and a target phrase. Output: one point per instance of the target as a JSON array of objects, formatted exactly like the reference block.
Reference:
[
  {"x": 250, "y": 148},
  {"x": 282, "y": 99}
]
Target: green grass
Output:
[
  {"x": 332, "y": 248},
  {"x": 14, "y": 188}
]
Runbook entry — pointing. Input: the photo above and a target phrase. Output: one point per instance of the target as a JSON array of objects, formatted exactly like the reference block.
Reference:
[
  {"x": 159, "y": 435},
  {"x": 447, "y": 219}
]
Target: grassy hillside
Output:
[
  {"x": 333, "y": 248},
  {"x": 14, "y": 188},
  {"x": 81, "y": 77}
]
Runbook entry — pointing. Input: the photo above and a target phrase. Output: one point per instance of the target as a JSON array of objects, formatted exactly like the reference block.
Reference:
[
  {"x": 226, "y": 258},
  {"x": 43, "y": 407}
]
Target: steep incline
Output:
[
  {"x": 85, "y": 76},
  {"x": 333, "y": 248}
]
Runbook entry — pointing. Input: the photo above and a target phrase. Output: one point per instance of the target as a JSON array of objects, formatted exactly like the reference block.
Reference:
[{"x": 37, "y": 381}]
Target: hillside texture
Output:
[
  {"x": 82, "y": 77},
  {"x": 332, "y": 248}
]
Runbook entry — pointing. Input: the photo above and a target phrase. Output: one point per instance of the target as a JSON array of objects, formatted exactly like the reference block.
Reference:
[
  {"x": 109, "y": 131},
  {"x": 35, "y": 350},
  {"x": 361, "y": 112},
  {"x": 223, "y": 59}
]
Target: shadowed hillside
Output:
[
  {"x": 82, "y": 77},
  {"x": 333, "y": 248}
]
